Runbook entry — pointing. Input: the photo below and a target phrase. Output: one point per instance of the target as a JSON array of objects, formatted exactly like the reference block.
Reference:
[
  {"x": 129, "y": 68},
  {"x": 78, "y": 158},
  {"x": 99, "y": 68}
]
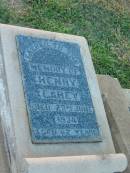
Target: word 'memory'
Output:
[
  {"x": 51, "y": 68},
  {"x": 56, "y": 81},
  {"x": 62, "y": 108}
]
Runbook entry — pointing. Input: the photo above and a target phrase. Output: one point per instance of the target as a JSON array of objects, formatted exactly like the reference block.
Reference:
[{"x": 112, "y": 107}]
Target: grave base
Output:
[
  {"x": 109, "y": 163},
  {"x": 116, "y": 101}
]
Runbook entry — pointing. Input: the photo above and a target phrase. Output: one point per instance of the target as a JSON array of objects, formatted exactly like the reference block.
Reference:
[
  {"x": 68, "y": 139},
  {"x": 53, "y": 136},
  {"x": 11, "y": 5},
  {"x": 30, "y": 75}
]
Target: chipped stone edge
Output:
[
  {"x": 5, "y": 117},
  {"x": 81, "y": 41},
  {"x": 10, "y": 132},
  {"x": 108, "y": 163}
]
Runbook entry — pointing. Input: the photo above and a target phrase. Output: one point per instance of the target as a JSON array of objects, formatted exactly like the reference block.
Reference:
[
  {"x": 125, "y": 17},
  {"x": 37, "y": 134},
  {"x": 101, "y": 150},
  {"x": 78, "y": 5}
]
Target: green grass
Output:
[{"x": 105, "y": 24}]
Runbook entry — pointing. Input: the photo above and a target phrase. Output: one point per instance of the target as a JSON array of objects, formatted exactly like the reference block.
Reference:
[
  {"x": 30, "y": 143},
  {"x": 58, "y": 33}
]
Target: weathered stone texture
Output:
[{"x": 116, "y": 106}]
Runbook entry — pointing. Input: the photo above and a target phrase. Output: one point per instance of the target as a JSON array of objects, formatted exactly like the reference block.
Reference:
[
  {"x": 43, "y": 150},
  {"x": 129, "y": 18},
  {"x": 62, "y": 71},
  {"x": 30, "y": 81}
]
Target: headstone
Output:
[{"x": 51, "y": 106}]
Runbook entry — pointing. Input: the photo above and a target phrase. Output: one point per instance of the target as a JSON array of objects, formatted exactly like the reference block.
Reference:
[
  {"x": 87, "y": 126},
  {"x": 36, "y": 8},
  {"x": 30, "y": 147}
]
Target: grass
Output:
[{"x": 105, "y": 24}]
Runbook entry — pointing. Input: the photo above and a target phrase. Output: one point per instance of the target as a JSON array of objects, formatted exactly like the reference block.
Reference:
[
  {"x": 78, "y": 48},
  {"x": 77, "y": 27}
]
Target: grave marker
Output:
[
  {"x": 58, "y": 98},
  {"x": 48, "y": 86}
]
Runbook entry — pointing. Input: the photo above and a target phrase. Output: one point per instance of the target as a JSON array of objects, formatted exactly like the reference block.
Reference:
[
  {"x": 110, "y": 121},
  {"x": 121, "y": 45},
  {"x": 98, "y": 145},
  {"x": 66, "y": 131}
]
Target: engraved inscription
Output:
[
  {"x": 47, "y": 68},
  {"x": 59, "y": 94},
  {"x": 55, "y": 81},
  {"x": 59, "y": 119},
  {"x": 65, "y": 132},
  {"x": 62, "y": 108},
  {"x": 59, "y": 103}
]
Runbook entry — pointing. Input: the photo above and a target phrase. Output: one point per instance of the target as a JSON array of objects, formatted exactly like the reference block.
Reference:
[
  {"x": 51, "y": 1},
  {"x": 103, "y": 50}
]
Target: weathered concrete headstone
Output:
[{"x": 51, "y": 108}]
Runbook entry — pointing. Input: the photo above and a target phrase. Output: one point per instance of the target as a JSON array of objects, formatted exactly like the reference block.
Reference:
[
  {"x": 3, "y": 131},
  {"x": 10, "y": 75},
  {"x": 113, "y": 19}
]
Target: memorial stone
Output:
[
  {"x": 51, "y": 108},
  {"x": 58, "y": 99}
]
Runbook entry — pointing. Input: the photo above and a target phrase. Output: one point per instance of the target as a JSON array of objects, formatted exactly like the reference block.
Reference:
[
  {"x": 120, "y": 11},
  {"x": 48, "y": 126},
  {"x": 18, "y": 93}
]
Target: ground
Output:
[{"x": 104, "y": 23}]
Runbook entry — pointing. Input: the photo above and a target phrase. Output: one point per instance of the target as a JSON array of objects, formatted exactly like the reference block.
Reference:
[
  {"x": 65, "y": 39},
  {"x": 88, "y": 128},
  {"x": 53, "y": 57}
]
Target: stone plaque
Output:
[{"x": 57, "y": 95}]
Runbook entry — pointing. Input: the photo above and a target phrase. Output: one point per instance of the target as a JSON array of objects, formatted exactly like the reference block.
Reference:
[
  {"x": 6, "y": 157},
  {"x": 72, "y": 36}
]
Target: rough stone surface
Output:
[
  {"x": 127, "y": 95},
  {"x": 110, "y": 163},
  {"x": 57, "y": 94},
  {"x": 116, "y": 106},
  {"x": 118, "y": 141},
  {"x": 4, "y": 166},
  {"x": 21, "y": 145}
]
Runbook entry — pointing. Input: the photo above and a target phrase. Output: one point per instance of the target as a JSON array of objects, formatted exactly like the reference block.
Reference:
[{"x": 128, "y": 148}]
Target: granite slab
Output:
[{"x": 57, "y": 94}]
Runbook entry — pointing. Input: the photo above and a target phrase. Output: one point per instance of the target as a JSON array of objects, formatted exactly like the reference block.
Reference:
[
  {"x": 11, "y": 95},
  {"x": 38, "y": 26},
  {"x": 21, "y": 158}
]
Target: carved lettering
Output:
[
  {"x": 62, "y": 108},
  {"x": 56, "y": 81},
  {"x": 66, "y": 132},
  {"x": 59, "y": 119},
  {"x": 59, "y": 94},
  {"x": 48, "y": 68}
]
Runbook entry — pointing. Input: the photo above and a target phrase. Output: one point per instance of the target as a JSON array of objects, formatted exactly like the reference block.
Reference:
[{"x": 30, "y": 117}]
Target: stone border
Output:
[
  {"x": 109, "y": 163},
  {"x": 15, "y": 121}
]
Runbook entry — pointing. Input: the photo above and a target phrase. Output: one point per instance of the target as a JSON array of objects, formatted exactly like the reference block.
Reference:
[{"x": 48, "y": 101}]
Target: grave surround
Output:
[{"x": 14, "y": 113}]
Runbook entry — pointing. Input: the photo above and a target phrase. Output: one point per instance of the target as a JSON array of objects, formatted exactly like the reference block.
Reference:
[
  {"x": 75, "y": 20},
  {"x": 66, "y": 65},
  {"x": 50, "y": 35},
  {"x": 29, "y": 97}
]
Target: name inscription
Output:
[{"x": 57, "y": 95}]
